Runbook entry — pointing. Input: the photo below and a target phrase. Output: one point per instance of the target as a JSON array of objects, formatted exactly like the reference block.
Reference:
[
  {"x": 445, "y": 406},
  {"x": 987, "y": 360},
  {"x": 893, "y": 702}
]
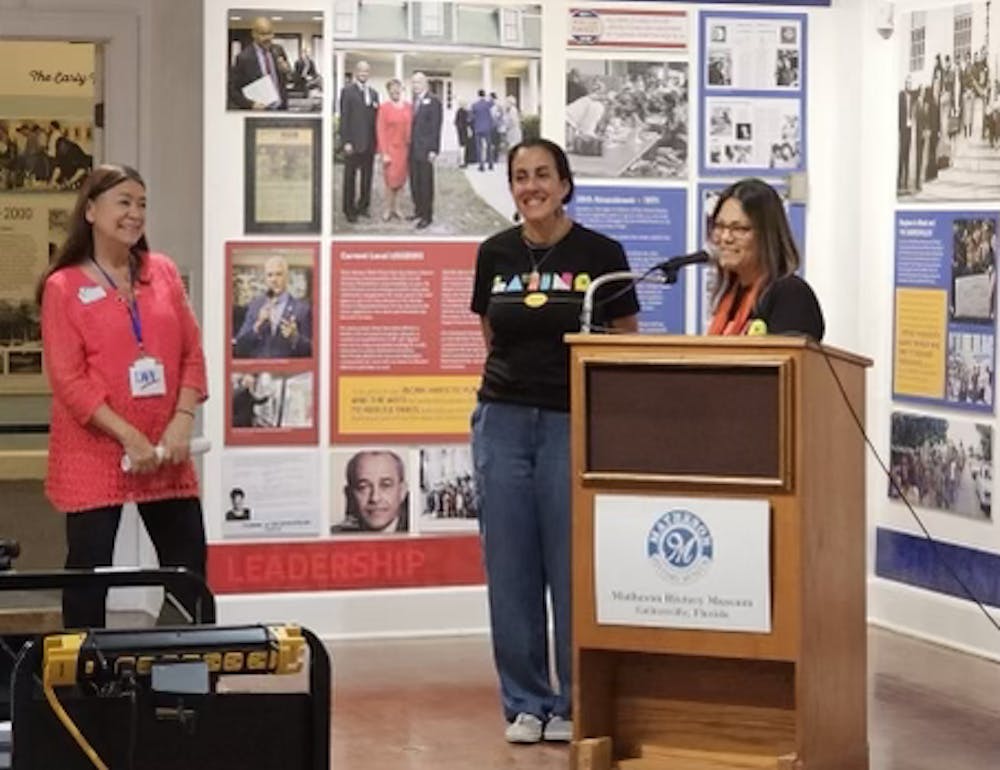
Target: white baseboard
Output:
[
  {"x": 411, "y": 612},
  {"x": 933, "y": 617}
]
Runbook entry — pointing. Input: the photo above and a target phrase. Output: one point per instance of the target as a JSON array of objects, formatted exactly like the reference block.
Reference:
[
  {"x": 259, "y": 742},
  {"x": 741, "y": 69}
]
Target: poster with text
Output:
[
  {"x": 651, "y": 224},
  {"x": 270, "y": 494},
  {"x": 753, "y": 106},
  {"x": 708, "y": 198},
  {"x": 407, "y": 350},
  {"x": 944, "y": 349},
  {"x": 624, "y": 28},
  {"x": 627, "y": 118},
  {"x": 943, "y": 464},
  {"x": 272, "y": 343}
]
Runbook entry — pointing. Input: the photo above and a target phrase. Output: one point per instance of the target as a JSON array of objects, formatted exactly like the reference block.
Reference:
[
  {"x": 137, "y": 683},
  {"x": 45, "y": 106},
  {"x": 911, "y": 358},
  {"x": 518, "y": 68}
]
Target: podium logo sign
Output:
[
  {"x": 680, "y": 546},
  {"x": 683, "y": 562}
]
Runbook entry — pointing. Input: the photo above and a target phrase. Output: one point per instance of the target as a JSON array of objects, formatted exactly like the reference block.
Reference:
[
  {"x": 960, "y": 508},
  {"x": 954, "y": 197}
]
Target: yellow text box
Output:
[
  {"x": 921, "y": 342},
  {"x": 406, "y": 405}
]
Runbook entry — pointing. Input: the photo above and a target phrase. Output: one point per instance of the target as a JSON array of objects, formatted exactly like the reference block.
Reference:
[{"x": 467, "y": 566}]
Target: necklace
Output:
[{"x": 534, "y": 278}]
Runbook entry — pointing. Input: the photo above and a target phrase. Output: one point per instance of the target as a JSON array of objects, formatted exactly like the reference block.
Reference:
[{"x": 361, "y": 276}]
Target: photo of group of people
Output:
[
  {"x": 973, "y": 270},
  {"x": 949, "y": 103},
  {"x": 44, "y": 154},
  {"x": 942, "y": 464},
  {"x": 970, "y": 375},
  {"x": 275, "y": 61},
  {"x": 627, "y": 118},
  {"x": 447, "y": 489},
  {"x": 416, "y": 153},
  {"x": 272, "y": 357}
]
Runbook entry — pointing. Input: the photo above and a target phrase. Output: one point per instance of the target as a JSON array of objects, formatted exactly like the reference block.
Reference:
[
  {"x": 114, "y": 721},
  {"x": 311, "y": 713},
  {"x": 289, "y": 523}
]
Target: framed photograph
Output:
[{"x": 282, "y": 175}]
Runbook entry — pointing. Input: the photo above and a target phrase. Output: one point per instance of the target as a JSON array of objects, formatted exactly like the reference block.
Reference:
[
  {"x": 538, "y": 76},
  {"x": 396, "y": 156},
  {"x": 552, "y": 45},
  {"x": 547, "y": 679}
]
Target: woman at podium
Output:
[
  {"x": 758, "y": 291},
  {"x": 529, "y": 287}
]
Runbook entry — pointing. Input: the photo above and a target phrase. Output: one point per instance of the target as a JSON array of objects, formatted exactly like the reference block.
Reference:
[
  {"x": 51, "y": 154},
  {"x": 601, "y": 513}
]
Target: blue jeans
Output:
[{"x": 521, "y": 457}]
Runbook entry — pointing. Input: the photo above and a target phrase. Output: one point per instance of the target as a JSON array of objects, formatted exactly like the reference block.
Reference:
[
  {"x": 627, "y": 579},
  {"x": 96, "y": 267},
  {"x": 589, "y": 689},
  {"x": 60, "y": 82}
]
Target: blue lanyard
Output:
[{"x": 133, "y": 304}]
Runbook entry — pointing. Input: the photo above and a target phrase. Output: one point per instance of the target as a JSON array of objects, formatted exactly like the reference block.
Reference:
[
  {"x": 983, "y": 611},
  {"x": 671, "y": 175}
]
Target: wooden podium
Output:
[{"x": 759, "y": 418}]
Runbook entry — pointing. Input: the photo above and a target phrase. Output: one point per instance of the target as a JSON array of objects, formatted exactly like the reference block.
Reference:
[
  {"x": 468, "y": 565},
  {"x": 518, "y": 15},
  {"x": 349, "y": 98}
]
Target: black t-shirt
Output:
[
  {"x": 528, "y": 362},
  {"x": 789, "y": 306}
]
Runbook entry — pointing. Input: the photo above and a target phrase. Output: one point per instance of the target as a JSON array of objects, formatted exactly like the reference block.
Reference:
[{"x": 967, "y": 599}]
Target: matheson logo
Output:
[{"x": 680, "y": 546}]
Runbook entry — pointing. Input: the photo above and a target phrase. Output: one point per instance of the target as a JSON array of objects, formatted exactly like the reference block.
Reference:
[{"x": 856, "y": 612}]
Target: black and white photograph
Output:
[
  {"x": 786, "y": 72},
  {"x": 720, "y": 68},
  {"x": 272, "y": 310},
  {"x": 269, "y": 494},
  {"x": 421, "y": 139},
  {"x": 42, "y": 154},
  {"x": 948, "y": 103},
  {"x": 970, "y": 373},
  {"x": 974, "y": 270},
  {"x": 757, "y": 133},
  {"x": 371, "y": 491},
  {"x": 447, "y": 489},
  {"x": 627, "y": 118},
  {"x": 267, "y": 400},
  {"x": 275, "y": 61},
  {"x": 946, "y": 465}
]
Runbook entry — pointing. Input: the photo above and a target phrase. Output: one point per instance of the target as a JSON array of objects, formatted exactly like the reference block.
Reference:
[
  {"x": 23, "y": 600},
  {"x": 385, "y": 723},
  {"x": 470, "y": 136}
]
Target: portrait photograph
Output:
[
  {"x": 371, "y": 491},
  {"x": 276, "y": 61},
  {"x": 421, "y": 142},
  {"x": 973, "y": 270},
  {"x": 272, "y": 308},
  {"x": 447, "y": 489},
  {"x": 945, "y": 465},
  {"x": 627, "y": 118}
]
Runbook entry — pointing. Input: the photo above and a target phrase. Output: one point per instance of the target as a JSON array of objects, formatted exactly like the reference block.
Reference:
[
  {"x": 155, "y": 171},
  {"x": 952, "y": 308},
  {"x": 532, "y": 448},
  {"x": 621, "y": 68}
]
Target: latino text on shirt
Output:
[{"x": 528, "y": 362}]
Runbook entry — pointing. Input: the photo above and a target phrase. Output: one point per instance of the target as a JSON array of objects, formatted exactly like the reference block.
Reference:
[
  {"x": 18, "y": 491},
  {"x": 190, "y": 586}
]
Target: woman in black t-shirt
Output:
[
  {"x": 529, "y": 287},
  {"x": 758, "y": 291}
]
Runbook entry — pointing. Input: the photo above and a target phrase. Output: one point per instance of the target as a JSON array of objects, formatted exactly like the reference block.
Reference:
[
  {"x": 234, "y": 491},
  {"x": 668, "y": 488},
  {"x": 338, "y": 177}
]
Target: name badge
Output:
[
  {"x": 147, "y": 378},
  {"x": 88, "y": 294}
]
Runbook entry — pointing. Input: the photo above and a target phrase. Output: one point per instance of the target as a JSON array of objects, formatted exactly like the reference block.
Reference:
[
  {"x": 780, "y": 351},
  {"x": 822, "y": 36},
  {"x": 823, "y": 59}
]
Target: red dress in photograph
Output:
[{"x": 392, "y": 131}]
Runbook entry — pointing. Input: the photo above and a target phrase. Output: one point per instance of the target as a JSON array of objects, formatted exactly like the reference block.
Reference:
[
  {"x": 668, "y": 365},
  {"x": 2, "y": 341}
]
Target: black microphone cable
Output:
[{"x": 902, "y": 496}]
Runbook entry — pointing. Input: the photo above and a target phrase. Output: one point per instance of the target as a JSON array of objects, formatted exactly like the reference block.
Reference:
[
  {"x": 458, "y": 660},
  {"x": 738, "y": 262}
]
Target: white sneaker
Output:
[
  {"x": 558, "y": 729},
  {"x": 526, "y": 728}
]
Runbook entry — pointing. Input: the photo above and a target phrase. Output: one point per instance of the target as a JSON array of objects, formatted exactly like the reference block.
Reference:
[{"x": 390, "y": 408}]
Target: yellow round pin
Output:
[{"x": 535, "y": 299}]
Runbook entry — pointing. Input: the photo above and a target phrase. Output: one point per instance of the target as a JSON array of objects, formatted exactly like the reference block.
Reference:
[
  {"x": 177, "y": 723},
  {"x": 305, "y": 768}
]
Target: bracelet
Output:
[{"x": 188, "y": 412}]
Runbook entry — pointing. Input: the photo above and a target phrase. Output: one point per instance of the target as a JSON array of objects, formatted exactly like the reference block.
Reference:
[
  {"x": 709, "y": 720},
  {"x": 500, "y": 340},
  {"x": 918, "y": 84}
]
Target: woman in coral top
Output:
[
  {"x": 758, "y": 291},
  {"x": 124, "y": 360},
  {"x": 392, "y": 132}
]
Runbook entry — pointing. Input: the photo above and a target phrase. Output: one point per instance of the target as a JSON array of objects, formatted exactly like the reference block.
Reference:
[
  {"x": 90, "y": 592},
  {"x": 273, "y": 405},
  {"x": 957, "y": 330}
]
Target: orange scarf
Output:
[{"x": 730, "y": 321}]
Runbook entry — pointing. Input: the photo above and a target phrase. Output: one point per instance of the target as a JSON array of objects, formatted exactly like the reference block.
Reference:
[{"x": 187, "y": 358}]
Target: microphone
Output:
[
  {"x": 199, "y": 445},
  {"x": 670, "y": 267}
]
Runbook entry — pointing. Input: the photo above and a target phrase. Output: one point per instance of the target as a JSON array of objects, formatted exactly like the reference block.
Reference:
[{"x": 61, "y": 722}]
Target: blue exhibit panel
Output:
[{"x": 651, "y": 224}]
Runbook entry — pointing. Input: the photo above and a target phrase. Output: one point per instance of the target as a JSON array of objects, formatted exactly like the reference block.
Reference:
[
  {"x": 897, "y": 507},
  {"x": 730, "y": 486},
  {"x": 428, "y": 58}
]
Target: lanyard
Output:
[{"x": 133, "y": 303}]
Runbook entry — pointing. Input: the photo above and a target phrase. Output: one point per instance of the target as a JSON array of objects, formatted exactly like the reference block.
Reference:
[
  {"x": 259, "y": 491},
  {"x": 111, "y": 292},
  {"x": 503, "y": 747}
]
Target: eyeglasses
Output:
[{"x": 736, "y": 229}]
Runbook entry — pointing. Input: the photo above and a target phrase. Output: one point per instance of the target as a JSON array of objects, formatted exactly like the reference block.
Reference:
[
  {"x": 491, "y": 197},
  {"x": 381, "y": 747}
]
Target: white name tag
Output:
[
  {"x": 147, "y": 378},
  {"x": 88, "y": 294}
]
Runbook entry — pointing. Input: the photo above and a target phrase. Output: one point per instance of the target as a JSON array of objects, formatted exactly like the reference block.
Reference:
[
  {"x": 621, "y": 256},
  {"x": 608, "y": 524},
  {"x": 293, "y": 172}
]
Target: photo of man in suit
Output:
[
  {"x": 276, "y": 324},
  {"x": 376, "y": 495},
  {"x": 358, "y": 108},
  {"x": 255, "y": 61},
  {"x": 425, "y": 145},
  {"x": 482, "y": 129}
]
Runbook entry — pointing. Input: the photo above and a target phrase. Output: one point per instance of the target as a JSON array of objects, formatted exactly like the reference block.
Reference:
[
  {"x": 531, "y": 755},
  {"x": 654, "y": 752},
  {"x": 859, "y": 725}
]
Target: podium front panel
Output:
[{"x": 688, "y": 420}]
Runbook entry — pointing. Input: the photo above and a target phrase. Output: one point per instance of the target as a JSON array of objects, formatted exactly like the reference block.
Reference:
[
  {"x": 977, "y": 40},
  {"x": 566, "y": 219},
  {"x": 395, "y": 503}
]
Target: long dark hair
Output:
[
  {"x": 779, "y": 256},
  {"x": 79, "y": 244},
  {"x": 558, "y": 156}
]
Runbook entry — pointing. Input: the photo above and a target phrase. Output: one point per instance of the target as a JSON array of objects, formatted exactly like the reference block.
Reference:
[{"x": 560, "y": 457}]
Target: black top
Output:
[
  {"x": 789, "y": 306},
  {"x": 528, "y": 362}
]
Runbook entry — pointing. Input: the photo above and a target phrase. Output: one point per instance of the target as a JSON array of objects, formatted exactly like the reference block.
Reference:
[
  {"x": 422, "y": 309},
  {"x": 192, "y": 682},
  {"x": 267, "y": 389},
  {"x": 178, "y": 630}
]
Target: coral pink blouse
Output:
[{"x": 89, "y": 346}]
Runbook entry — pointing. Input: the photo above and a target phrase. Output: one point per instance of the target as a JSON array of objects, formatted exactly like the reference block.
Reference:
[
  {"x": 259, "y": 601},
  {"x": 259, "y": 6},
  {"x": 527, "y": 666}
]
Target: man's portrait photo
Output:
[
  {"x": 272, "y": 301},
  {"x": 273, "y": 61},
  {"x": 376, "y": 494}
]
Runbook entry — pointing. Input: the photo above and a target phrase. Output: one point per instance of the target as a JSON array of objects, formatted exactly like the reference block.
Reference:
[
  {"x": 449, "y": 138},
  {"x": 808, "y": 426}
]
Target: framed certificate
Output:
[{"x": 282, "y": 175}]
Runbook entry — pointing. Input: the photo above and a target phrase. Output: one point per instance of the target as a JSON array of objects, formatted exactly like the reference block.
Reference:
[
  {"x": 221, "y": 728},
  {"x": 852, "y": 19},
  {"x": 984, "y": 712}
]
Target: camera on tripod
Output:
[{"x": 10, "y": 549}]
